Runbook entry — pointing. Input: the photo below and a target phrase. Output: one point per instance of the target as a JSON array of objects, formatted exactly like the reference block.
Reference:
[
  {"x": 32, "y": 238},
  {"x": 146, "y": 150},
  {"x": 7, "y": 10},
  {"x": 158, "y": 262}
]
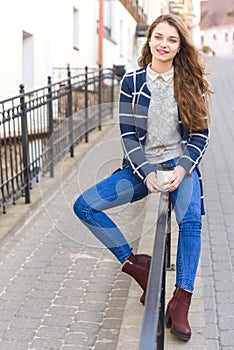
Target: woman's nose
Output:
[{"x": 164, "y": 42}]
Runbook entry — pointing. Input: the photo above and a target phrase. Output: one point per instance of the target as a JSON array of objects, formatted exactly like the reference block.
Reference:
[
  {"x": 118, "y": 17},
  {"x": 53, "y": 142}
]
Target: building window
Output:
[
  {"x": 129, "y": 46},
  {"x": 108, "y": 6},
  {"x": 28, "y": 60},
  {"x": 202, "y": 40},
  {"x": 121, "y": 39},
  {"x": 75, "y": 28}
]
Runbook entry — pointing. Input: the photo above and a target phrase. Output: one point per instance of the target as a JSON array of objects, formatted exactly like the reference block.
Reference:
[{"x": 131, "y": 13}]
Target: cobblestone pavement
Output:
[
  {"x": 218, "y": 241},
  {"x": 60, "y": 289}
]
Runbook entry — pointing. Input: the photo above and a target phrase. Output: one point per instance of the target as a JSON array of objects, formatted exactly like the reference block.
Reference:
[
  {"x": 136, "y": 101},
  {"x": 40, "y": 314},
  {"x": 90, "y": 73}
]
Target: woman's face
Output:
[{"x": 164, "y": 43}]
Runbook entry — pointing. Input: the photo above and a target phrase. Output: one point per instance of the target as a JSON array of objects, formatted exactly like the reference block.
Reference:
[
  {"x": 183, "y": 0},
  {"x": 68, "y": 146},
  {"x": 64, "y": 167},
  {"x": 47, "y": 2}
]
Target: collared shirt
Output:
[
  {"x": 163, "y": 140},
  {"x": 165, "y": 76}
]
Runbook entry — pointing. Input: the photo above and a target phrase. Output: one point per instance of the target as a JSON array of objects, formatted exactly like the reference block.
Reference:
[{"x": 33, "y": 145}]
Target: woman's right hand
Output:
[{"x": 153, "y": 183}]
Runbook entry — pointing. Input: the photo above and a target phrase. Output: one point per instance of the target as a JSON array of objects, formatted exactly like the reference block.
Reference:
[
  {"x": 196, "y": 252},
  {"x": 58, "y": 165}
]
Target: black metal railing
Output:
[
  {"x": 152, "y": 335},
  {"x": 38, "y": 127}
]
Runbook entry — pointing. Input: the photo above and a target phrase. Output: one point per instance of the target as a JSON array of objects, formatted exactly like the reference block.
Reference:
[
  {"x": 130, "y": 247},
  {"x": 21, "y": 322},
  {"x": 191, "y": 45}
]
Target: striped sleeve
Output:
[
  {"x": 132, "y": 147},
  {"x": 194, "y": 149}
]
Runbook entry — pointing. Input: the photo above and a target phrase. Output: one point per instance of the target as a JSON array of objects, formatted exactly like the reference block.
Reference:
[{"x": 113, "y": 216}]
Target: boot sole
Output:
[{"x": 181, "y": 336}]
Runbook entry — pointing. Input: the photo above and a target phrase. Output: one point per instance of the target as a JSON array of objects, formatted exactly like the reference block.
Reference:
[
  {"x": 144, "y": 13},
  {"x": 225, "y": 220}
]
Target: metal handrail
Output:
[{"x": 152, "y": 334}]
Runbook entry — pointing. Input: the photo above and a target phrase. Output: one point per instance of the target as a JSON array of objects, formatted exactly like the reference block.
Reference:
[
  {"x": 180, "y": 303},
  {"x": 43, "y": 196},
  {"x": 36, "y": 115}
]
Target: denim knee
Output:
[
  {"x": 191, "y": 228},
  {"x": 80, "y": 208}
]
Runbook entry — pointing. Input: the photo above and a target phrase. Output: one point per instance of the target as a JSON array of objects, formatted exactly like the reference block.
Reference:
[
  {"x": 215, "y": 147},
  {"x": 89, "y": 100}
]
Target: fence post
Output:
[
  {"x": 1, "y": 174},
  {"x": 170, "y": 266},
  {"x": 86, "y": 105},
  {"x": 69, "y": 112},
  {"x": 160, "y": 330},
  {"x": 51, "y": 128},
  {"x": 166, "y": 266},
  {"x": 68, "y": 70},
  {"x": 24, "y": 130},
  {"x": 112, "y": 91},
  {"x": 153, "y": 321},
  {"x": 100, "y": 75}
]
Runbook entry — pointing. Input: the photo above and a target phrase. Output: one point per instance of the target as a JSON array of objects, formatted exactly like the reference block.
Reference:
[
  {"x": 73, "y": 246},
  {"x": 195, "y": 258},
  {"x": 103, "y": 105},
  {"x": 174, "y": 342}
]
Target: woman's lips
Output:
[{"x": 162, "y": 52}]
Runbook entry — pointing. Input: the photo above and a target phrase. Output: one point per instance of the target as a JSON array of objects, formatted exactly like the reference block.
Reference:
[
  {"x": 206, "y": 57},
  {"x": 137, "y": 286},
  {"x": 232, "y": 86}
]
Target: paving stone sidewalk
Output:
[
  {"x": 218, "y": 240},
  {"x": 59, "y": 288}
]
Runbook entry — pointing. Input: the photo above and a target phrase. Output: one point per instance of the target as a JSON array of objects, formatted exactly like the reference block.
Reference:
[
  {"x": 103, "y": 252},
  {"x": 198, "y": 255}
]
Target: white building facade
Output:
[
  {"x": 219, "y": 39},
  {"x": 39, "y": 36},
  {"x": 195, "y": 22},
  {"x": 119, "y": 45}
]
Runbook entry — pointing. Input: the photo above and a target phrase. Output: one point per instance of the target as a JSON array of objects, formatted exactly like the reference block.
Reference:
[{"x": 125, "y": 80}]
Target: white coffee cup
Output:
[{"x": 164, "y": 172}]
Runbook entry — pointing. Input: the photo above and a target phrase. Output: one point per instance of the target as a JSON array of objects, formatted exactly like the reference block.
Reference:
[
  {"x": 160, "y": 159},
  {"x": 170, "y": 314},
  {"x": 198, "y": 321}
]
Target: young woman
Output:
[{"x": 164, "y": 119}]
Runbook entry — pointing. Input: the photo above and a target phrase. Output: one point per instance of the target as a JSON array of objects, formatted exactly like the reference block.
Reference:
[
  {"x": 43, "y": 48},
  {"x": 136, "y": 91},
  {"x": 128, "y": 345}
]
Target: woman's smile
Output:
[{"x": 162, "y": 52}]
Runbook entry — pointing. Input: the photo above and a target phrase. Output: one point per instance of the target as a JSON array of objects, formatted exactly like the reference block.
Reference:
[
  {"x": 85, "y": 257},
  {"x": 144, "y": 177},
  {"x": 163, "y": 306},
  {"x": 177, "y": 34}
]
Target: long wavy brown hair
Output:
[{"x": 191, "y": 89}]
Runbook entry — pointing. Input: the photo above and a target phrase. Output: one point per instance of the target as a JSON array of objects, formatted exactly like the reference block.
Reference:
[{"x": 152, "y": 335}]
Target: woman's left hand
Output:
[{"x": 177, "y": 176}]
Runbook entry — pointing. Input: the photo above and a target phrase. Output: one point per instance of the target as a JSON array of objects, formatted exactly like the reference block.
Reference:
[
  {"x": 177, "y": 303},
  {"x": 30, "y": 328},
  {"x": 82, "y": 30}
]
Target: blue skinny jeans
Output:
[{"x": 123, "y": 187}]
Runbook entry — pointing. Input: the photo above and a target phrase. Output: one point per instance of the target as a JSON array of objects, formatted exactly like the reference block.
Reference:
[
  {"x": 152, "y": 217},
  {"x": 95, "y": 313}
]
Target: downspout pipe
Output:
[{"x": 100, "y": 33}]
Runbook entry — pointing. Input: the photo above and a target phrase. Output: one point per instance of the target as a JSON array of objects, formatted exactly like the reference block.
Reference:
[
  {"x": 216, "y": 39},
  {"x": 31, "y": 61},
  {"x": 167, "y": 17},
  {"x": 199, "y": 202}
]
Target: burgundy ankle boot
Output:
[
  {"x": 143, "y": 260},
  {"x": 177, "y": 314},
  {"x": 138, "y": 267}
]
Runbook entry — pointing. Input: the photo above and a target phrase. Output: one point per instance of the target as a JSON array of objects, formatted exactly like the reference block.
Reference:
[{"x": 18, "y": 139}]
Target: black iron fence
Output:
[{"x": 38, "y": 127}]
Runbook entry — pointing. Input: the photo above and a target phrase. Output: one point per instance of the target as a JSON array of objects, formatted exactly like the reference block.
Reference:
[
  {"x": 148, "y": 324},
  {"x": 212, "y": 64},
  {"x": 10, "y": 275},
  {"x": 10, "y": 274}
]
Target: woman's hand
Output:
[
  {"x": 153, "y": 183},
  {"x": 177, "y": 176}
]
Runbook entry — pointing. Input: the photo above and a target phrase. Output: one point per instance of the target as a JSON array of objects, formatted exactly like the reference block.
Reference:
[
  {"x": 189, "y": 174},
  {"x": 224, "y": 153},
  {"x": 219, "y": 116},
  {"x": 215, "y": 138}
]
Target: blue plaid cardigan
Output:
[{"x": 133, "y": 113}]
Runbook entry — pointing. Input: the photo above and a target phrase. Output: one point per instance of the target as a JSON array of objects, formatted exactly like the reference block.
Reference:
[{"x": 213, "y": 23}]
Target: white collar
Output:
[{"x": 154, "y": 75}]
